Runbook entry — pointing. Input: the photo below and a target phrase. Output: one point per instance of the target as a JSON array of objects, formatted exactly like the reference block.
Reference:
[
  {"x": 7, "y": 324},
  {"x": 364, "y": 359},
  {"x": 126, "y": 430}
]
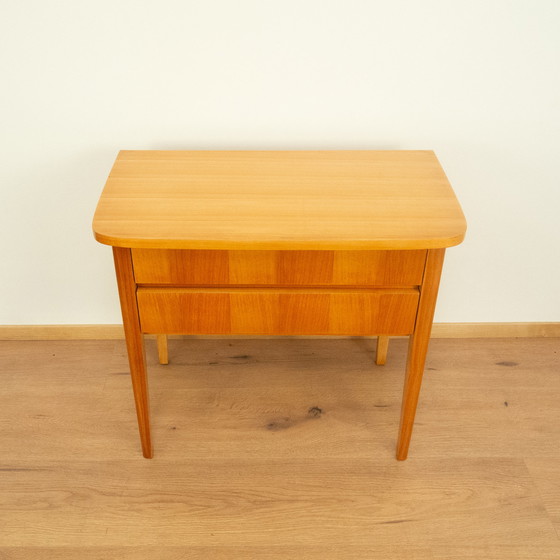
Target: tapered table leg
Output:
[
  {"x": 382, "y": 347},
  {"x": 134, "y": 343},
  {"x": 163, "y": 354},
  {"x": 418, "y": 347}
]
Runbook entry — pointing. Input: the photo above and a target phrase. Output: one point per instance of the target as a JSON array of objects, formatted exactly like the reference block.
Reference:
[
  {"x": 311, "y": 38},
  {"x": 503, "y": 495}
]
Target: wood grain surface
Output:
[
  {"x": 278, "y": 268},
  {"x": 134, "y": 344},
  {"x": 417, "y": 348},
  {"x": 280, "y": 449},
  {"x": 278, "y": 200},
  {"x": 277, "y": 312}
]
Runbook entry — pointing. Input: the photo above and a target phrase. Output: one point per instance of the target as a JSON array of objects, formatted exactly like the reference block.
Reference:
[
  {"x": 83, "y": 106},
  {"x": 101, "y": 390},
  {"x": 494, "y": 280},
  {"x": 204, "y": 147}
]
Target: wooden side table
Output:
[{"x": 278, "y": 243}]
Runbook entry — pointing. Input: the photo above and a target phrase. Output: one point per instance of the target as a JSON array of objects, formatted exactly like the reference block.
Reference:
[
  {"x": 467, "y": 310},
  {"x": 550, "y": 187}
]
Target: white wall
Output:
[{"x": 477, "y": 81}]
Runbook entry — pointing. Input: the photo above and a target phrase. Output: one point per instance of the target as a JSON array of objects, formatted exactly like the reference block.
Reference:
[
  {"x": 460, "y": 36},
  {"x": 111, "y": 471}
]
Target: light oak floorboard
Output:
[
  {"x": 319, "y": 552},
  {"x": 280, "y": 449},
  {"x": 545, "y": 472}
]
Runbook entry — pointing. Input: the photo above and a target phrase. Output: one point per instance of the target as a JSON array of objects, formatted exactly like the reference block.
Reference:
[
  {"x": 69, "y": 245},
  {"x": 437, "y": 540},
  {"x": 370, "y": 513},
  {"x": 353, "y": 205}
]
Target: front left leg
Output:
[{"x": 134, "y": 344}]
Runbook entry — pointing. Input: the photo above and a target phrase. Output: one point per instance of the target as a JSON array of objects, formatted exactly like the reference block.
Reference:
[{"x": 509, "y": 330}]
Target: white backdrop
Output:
[{"x": 476, "y": 81}]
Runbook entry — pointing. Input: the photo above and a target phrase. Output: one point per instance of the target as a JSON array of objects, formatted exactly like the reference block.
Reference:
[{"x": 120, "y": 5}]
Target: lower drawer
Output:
[{"x": 277, "y": 312}]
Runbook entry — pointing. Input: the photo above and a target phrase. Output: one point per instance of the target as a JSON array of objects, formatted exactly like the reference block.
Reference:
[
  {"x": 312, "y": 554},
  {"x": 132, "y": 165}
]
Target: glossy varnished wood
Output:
[
  {"x": 291, "y": 243},
  {"x": 276, "y": 311},
  {"x": 278, "y": 200},
  {"x": 381, "y": 350},
  {"x": 278, "y": 268},
  {"x": 134, "y": 344},
  {"x": 162, "y": 347},
  {"x": 418, "y": 347}
]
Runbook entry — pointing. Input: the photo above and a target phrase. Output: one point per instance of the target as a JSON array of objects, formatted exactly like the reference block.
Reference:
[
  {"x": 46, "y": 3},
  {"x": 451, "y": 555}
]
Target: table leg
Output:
[
  {"x": 134, "y": 343},
  {"x": 381, "y": 352},
  {"x": 418, "y": 347},
  {"x": 163, "y": 354}
]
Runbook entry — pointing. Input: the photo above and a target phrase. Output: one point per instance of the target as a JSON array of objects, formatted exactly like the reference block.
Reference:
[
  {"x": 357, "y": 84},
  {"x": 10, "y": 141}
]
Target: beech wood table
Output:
[{"x": 278, "y": 243}]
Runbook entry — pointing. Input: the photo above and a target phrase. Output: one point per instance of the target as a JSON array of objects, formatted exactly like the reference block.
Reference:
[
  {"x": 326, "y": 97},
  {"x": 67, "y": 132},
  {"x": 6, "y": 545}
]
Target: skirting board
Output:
[{"x": 440, "y": 330}]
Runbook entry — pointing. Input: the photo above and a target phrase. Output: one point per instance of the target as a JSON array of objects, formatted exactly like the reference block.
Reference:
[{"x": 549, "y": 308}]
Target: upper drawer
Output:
[{"x": 182, "y": 267}]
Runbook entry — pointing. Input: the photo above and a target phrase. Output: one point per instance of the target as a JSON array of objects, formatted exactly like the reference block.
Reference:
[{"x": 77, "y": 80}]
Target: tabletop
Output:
[{"x": 331, "y": 200}]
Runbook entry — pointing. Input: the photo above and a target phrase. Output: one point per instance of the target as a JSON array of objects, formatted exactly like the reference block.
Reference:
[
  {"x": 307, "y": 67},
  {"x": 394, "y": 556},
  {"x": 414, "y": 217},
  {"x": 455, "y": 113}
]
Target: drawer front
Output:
[
  {"x": 278, "y": 268},
  {"x": 277, "y": 312}
]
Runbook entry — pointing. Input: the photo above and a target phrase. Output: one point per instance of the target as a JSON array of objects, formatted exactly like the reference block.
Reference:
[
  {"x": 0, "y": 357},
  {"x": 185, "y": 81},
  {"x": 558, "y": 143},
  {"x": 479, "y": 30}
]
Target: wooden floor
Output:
[{"x": 280, "y": 449}]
